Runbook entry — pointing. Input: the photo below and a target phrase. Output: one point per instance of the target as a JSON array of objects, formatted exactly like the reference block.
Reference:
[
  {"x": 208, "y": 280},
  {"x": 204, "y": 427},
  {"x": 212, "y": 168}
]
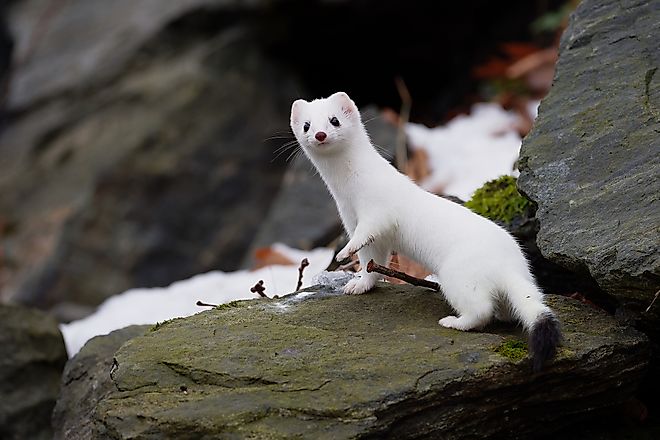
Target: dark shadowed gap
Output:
[{"x": 361, "y": 46}]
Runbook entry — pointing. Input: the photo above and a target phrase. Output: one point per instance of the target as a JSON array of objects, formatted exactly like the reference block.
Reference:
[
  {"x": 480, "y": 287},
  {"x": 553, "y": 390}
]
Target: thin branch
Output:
[
  {"x": 652, "y": 302},
  {"x": 259, "y": 289},
  {"x": 201, "y": 304},
  {"x": 373, "y": 267},
  {"x": 351, "y": 264},
  {"x": 303, "y": 264}
]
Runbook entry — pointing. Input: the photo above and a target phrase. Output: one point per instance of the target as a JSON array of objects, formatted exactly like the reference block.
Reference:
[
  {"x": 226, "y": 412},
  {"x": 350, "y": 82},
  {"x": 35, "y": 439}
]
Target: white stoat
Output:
[{"x": 482, "y": 271}]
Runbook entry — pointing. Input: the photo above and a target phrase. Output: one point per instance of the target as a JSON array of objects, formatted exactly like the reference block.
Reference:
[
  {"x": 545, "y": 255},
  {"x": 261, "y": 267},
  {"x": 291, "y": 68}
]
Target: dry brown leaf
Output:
[
  {"x": 266, "y": 256},
  {"x": 516, "y": 50},
  {"x": 537, "y": 69}
]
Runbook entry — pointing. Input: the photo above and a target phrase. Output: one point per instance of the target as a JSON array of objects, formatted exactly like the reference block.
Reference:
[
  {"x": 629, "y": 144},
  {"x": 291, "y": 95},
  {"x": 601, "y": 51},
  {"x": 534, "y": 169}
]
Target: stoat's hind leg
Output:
[
  {"x": 365, "y": 280},
  {"x": 464, "y": 322},
  {"x": 503, "y": 310},
  {"x": 472, "y": 302}
]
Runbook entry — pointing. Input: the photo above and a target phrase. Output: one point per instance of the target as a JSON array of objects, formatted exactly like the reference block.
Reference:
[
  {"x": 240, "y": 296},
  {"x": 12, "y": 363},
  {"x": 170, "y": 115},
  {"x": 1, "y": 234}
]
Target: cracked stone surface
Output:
[
  {"x": 592, "y": 160},
  {"x": 86, "y": 381},
  {"x": 370, "y": 366}
]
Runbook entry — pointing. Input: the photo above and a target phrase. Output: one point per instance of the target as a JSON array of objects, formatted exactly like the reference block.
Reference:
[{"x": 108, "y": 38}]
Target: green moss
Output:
[
  {"x": 229, "y": 305},
  {"x": 158, "y": 325},
  {"x": 498, "y": 200},
  {"x": 513, "y": 349}
]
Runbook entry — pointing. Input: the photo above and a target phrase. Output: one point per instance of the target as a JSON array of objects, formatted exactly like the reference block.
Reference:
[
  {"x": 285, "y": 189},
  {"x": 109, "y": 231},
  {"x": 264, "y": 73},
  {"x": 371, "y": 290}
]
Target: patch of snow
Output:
[
  {"x": 151, "y": 305},
  {"x": 330, "y": 284},
  {"x": 469, "y": 150},
  {"x": 334, "y": 281}
]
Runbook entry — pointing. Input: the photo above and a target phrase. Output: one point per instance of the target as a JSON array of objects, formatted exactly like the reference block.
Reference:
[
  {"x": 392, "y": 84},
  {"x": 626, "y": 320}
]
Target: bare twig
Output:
[
  {"x": 404, "y": 117},
  {"x": 652, "y": 302},
  {"x": 303, "y": 264},
  {"x": 373, "y": 267},
  {"x": 351, "y": 264},
  {"x": 201, "y": 304},
  {"x": 259, "y": 289}
]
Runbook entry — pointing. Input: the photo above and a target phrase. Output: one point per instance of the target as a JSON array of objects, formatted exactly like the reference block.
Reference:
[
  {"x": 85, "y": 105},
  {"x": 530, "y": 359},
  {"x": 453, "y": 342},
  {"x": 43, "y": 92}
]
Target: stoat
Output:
[{"x": 481, "y": 268}]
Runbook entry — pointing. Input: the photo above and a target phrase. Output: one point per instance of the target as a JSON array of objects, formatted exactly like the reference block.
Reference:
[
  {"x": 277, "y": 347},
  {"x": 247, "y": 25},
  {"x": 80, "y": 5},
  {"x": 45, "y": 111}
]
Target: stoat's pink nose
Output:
[{"x": 320, "y": 136}]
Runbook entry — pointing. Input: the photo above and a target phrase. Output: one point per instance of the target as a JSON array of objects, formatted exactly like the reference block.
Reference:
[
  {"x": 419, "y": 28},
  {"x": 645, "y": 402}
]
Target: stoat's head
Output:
[{"x": 325, "y": 125}]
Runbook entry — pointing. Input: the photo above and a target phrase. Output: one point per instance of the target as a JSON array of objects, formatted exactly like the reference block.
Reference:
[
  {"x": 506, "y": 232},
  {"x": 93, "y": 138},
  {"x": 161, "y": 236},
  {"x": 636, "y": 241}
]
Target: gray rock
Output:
[
  {"x": 85, "y": 42},
  {"x": 165, "y": 176},
  {"x": 32, "y": 356},
  {"x": 86, "y": 381},
  {"x": 592, "y": 160},
  {"x": 303, "y": 214},
  {"x": 366, "y": 366}
]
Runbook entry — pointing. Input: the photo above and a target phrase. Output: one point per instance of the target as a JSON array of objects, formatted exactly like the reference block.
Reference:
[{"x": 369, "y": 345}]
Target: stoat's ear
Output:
[
  {"x": 296, "y": 109},
  {"x": 347, "y": 105}
]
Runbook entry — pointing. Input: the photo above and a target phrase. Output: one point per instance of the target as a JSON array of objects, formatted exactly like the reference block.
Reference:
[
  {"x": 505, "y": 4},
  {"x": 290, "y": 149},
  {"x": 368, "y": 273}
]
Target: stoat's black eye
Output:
[
  {"x": 334, "y": 121},
  {"x": 306, "y": 127}
]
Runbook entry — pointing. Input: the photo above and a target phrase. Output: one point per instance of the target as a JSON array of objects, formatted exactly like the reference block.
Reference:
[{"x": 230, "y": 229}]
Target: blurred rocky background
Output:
[{"x": 139, "y": 141}]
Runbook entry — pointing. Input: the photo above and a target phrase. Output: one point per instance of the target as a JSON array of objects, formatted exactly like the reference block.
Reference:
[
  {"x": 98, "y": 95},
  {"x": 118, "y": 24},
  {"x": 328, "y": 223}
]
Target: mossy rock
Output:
[
  {"x": 499, "y": 200},
  {"x": 513, "y": 349},
  {"x": 376, "y": 365}
]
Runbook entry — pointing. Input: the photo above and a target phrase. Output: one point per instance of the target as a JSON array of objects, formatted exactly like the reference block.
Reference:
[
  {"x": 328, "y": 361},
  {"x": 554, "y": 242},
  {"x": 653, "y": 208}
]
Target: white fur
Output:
[{"x": 482, "y": 271}]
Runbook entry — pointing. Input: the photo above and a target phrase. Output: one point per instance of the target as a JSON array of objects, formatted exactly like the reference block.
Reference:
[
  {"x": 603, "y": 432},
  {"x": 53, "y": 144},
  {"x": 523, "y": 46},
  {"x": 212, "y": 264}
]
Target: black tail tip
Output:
[{"x": 544, "y": 338}]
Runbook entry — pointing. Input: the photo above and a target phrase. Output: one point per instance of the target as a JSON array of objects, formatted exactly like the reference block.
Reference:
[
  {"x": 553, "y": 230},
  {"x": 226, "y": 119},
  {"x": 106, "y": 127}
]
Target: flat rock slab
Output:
[
  {"x": 592, "y": 160},
  {"x": 375, "y": 365}
]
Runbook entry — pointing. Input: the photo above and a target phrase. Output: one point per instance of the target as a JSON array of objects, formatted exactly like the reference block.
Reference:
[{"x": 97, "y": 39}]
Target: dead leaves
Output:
[{"x": 267, "y": 256}]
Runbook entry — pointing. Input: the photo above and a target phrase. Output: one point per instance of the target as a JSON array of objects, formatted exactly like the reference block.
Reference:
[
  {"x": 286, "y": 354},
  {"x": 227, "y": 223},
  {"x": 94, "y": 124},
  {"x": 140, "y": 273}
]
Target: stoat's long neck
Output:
[{"x": 347, "y": 170}]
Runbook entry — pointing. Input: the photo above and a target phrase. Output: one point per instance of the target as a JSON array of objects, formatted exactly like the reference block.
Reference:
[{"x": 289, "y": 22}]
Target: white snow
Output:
[
  {"x": 469, "y": 150},
  {"x": 151, "y": 305},
  {"x": 334, "y": 281}
]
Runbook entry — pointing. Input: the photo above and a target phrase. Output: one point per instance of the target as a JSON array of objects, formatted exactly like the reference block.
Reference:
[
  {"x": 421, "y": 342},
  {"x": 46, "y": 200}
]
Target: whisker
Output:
[
  {"x": 277, "y": 137},
  {"x": 383, "y": 151},
  {"x": 293, "y": 155},
  {"x": 285, "y": 145},
  {"x": 280, "y": 134},
  {"x": 284, "y": 148}
]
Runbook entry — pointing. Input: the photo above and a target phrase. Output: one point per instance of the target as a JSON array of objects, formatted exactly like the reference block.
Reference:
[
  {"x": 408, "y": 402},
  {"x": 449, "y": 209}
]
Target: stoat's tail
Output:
[{"x": 540, "y": 322}]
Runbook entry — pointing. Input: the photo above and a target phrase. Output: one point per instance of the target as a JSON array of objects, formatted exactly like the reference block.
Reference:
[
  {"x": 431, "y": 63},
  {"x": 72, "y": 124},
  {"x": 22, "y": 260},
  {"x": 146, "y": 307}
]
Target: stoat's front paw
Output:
[{"x": 360, "y": 285}]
